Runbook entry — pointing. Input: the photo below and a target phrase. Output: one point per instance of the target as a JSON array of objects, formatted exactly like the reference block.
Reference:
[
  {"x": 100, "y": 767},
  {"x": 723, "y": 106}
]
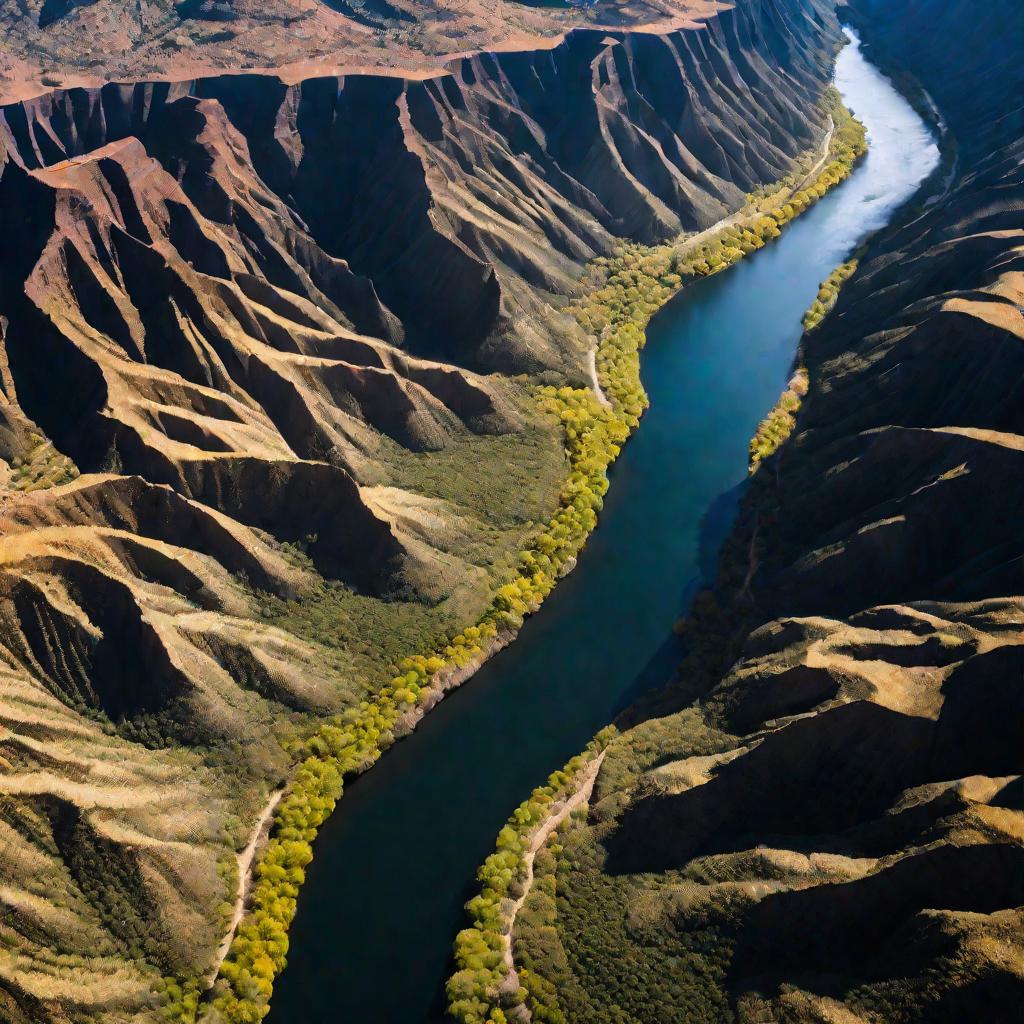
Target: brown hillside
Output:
[{"x": 267, "y": 422}]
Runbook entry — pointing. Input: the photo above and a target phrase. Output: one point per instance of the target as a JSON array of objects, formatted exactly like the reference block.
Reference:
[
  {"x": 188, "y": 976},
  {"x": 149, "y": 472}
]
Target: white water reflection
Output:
[{"x": 902, "y": 153}]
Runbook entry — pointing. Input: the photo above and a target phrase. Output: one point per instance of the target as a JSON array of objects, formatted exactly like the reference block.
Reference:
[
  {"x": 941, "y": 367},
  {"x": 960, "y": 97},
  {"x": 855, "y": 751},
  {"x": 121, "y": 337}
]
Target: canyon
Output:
[
  {"x": 819, "y": 818},
  {"x": 268, "y": 423},
  {"x": 281, "y": 285}
]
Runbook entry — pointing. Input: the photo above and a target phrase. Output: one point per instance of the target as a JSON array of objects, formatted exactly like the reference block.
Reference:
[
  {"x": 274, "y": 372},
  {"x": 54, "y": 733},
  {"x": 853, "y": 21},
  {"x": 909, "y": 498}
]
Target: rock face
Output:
[
  {"x": 862, "y": 824},
  {"x": 501, "y": 196},
  {"x": 860, "y": 832},
  {"x": 260, "y": 344}
]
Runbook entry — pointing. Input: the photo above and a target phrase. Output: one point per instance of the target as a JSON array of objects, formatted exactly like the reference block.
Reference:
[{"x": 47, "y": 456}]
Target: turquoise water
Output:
[{"x": 383, "y": 900}]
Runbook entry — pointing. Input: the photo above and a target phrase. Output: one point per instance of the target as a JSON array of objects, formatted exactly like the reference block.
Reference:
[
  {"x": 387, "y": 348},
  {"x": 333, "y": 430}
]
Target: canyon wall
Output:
[
  {"x": 835, "y": 830},
  {"x": 261, "y": 345}
]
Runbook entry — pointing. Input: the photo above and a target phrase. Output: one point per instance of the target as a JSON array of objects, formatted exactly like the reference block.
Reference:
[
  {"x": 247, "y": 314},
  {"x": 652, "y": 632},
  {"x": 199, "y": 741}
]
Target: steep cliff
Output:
[
  {"x": 267, "y": 423},
  {"x": 835, "y": 830}
]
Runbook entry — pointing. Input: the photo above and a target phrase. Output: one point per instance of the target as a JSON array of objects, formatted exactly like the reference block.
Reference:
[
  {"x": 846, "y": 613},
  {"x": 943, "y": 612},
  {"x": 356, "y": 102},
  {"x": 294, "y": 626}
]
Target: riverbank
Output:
[
  {"x": 603, "y": 941},
  {"x": 485, "y": 986},
  {"x": 594, "y": 437}
]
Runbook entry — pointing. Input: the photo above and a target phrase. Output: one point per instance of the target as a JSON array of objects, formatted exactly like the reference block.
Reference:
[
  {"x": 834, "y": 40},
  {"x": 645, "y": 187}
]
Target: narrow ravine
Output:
[{"x": 383, "y": 899}]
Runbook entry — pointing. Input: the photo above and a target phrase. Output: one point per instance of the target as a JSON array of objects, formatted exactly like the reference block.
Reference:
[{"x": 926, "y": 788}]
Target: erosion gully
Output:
[{"x": 383, "y": 900}]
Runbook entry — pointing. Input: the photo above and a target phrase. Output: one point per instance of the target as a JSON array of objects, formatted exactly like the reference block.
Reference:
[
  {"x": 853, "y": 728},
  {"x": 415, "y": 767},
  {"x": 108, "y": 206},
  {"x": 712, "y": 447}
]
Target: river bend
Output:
[{"x": 371, "y": 943}]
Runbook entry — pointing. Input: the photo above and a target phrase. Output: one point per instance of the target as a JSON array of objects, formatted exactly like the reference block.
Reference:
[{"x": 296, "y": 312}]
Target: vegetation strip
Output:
[
  {"x": 627, "y": 288},
  {"x": 828, "y": 294},
  {"x": 775, "y": 428},
  {"x": 485, "y": 984}
]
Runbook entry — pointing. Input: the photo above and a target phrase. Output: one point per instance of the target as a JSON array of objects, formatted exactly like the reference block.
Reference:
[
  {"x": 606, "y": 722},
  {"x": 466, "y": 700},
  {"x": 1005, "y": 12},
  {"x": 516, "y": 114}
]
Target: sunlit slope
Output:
[
  {"x": 268, "y": 424},
  {"x": 835, "y": 830}
]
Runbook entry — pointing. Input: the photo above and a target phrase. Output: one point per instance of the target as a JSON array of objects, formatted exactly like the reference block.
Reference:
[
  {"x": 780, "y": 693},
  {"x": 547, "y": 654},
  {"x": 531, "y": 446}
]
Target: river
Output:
[{"x": 371, "y": 943}]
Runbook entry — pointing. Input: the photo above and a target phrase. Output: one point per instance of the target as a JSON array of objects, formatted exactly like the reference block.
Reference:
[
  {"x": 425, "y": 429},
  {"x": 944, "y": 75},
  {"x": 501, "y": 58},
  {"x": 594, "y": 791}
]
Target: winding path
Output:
[
  {"x": 540, "y": 837},
  {"x": 245, "y": 876},
  {"x": 825, "y": 147},
  {"x": 595, "y": 383}
]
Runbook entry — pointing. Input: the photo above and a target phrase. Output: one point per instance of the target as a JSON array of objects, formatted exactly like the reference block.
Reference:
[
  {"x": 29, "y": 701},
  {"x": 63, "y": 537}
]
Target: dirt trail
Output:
[
  {"x": 594, "y": 382},
  {"x": 541, "y": 836},
  {"x": 245, "y": 859},
  {"x": 745, "y": 214},
  {"x": 692, "y": 241},
  {"x": 816, "y": 169}
]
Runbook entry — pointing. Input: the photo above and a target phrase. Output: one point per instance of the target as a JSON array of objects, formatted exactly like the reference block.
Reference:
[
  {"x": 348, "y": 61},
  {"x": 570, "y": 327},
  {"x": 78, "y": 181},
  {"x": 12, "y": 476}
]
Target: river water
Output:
[{"x": 371, "y": 943}]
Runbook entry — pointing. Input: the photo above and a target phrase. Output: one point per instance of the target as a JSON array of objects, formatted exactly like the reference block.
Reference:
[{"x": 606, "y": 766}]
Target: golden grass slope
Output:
[{"x": 268, "y": 433}]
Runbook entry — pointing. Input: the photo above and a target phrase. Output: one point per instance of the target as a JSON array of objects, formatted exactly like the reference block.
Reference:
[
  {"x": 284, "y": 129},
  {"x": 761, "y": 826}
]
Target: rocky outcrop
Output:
[
  {"x": 865, "y": 821},
  {"x": 264, "y": 424},
  {"x": 853, "y": 850},
  {"x": 501, "y": 191},
  {"x": 502, "y": 197}
]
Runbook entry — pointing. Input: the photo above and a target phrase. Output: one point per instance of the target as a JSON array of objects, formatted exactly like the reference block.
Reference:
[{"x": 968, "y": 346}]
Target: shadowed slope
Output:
[
  {"x": 280, "y": 331},
  {"x": 834, "y": 831}
]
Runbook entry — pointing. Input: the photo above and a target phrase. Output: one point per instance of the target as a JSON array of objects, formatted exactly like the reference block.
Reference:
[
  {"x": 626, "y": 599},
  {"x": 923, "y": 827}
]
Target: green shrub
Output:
[
  {"x": 478, "y": 992},
  {"x": 778, "y": 424},
  {"x": 827, "y": 295},
  {"x": 628, "y": 288}
]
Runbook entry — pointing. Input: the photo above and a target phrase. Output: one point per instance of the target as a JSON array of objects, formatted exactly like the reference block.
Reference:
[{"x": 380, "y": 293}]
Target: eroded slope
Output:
[
  {"x": 267, "y": 424},
  {"x": 835, "y": 831}
]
